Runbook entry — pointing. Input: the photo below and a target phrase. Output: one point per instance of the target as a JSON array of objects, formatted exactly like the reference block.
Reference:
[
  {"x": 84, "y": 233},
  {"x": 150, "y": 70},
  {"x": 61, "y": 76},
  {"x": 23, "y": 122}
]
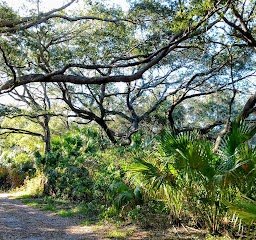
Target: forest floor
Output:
[{"x": 19, "y": 221}]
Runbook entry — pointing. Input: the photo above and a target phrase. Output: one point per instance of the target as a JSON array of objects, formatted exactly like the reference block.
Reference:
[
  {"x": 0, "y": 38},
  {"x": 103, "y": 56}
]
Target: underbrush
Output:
[
  {"x": 171, "y": 181},
  {"x": 12, "y": 177},
  {"x": 33, "y": 187}
]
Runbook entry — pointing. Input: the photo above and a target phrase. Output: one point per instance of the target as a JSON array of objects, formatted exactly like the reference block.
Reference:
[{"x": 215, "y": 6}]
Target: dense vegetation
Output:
[{"x": 144, "y": 114}]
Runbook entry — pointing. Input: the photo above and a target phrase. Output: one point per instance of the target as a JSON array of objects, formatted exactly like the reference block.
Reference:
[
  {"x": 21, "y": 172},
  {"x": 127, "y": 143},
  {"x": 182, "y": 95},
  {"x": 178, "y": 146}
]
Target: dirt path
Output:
[
  {"x": 18, "y": 221},
  {"x": 21, "y": 222}
]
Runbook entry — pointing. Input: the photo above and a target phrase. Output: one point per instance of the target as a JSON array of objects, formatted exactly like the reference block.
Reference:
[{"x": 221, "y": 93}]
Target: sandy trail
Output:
[{"x": 18, "y": 221}]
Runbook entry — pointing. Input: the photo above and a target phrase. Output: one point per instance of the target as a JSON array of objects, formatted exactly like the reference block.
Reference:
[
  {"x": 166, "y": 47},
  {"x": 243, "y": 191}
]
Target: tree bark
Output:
[
  {"x": 171, "y": 120},
  {"x": 47, "y": 135},
  {"x": 108, "y": 131},
  {"x": 249, "y": 108}
]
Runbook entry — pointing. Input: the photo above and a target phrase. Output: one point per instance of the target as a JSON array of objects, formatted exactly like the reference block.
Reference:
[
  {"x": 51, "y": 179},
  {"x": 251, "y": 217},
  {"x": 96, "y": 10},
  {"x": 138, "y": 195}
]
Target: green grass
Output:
[
  {"x": 62, "y": 207},
  {"x": 23, "y": 197},
  {"x": 31, "y": 204},
  {"x": 45, "y": 204},
  {"x": 40, "y": 203},
  {"x": 66, "y": 213},
  {"x": 210, "y": 237},
  {"x": 48, "y": 207},
  {"x": 89, "y": 222},
  {"x": 74, "y": 210},
  {"x": 119, "y": 234}
]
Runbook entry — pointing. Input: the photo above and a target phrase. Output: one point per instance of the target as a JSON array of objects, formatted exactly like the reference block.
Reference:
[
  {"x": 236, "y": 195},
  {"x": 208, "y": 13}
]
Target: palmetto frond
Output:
[
  {"x": 245, "y": 208},
  {"x": 238, "y": 157},
  {"x": 240, "y": 133},
  {"x": 153, "y": 174},
  {"x": 190, "y": 153},
  {"x": 123, "y": 194},
  {"x": 170, "y": 143}
]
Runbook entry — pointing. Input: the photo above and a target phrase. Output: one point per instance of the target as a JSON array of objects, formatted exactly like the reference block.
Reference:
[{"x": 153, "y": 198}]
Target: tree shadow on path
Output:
[{"x": 18, "y": 221}]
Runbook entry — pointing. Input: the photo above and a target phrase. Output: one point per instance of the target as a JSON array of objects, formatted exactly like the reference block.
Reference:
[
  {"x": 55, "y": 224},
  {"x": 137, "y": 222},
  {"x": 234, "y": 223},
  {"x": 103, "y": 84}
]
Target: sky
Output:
[{"x": 50, "y": 4}]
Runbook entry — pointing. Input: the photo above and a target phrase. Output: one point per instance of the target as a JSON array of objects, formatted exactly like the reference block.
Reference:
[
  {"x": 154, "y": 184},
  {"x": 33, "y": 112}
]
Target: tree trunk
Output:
[
  {"x": 249, "y": 108},
  {"x": 47, "y": 135},
  {"x": 108, "y": 131},
  {"x": 171, "y": 120}
]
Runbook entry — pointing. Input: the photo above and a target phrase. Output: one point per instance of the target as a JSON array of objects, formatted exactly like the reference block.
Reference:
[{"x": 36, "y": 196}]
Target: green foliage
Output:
[
  {"x": 240, "y": 133},
  {"x": 178, "y": 174},
  {"x": 245, "y": 208},
  {"x": 76, "y": 170},
  {"x": 63, "y": 166},
  {"x": 153, "y": 174},
  {"x": 123, "y": 195},
  {"x": 238, "y": 158},
  {"x": 4, "y": 110},
  {"x": 119, "y": 234},
  {"x": 32, "y": 187},
  {"x": 15, "y": 169},
  {"x": 190, "y": 178},
  {"x": 7, "y": 13},
  {"x": 190, "y": 152},
  {"x": 175, "y": 174}
]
